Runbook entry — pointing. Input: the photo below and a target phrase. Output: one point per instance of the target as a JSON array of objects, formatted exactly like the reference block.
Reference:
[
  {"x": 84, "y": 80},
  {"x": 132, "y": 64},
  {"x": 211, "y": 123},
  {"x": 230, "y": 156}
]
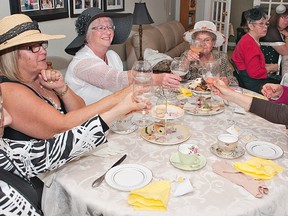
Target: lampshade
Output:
[{"x": 141, "y": 14}]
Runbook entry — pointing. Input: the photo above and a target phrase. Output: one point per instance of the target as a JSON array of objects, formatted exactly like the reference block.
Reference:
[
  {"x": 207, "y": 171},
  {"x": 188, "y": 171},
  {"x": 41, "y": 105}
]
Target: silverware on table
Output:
[{"x": 99, "y": 180}]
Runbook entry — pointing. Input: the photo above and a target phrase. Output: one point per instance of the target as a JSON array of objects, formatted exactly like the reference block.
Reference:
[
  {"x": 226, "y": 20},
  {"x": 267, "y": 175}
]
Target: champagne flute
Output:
[{"x": 142, "y": 89}]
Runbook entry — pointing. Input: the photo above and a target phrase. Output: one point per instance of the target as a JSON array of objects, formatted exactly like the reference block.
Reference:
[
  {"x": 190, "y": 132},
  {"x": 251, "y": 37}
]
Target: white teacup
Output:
[
  {"x": 227, "y": 143},
  {"x": 188, "y": 154}
]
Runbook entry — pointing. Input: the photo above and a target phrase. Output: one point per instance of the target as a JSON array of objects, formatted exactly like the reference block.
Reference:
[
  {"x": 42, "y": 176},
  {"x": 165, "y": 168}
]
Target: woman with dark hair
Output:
[
  {"x": 275, "y": 41},
  {"x": 248, "y": 56}
]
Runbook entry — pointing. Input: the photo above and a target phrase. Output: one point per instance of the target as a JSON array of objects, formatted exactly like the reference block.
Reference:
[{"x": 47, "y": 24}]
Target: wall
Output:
[{"x": 160, "y": 11}]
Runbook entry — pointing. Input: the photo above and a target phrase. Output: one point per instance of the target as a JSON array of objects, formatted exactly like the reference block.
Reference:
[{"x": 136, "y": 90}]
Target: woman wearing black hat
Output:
[
  {"x": 96, "y": 71},
  {"x": 248, "y": 56},
  {"x": 39, "y": 101}
]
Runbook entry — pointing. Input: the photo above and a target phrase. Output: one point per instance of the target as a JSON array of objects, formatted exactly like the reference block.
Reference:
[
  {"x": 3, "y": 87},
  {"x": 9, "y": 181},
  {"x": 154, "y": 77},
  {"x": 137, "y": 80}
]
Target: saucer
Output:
[
  {"x": 239, "y": 151},
  {"x": 175, "y": 161},
  {"x": 133, "y": 128}
]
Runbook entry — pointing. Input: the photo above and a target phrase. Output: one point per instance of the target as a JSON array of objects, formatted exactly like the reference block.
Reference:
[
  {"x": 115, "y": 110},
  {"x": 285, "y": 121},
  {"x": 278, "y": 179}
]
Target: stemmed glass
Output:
[
  {"x": 1, "y": 114},
  {"x": 211, "y": 71},
  {"x": 180, "y": 66},
  {"x": 142, "y": 88},
  {"x": 197, "y": 47}
]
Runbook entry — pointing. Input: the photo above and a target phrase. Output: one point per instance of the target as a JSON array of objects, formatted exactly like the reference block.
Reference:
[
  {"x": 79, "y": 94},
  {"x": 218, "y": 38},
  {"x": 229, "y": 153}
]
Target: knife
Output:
[{"x": 99, "y": 180}]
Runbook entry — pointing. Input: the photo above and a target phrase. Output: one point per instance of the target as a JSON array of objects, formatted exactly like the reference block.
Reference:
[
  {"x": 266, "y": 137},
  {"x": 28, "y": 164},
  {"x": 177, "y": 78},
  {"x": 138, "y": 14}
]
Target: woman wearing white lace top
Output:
[{"x": 96, "y": 71}]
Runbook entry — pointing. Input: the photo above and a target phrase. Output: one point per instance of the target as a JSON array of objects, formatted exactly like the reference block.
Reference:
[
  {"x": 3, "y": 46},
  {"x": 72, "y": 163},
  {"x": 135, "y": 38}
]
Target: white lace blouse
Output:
[{"x": 91, "y": 78}]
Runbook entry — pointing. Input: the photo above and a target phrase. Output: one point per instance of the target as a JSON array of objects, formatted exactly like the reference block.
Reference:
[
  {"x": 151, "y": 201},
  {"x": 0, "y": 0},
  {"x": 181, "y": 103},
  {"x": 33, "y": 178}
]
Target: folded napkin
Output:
[
  {"x": 182, "y": 186},
  {"x": 259, "y": 168},
  {"x": 185, "y": 92},
  {"x": 153, "y": 196},
  {"x": 256, "y": 188}
]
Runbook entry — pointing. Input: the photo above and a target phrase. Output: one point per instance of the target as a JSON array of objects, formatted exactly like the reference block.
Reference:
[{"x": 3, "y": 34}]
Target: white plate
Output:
[
  {"x": 264, "y": 150},
  {"x": 127, "y": 177},
  {"x": 173, "y": 112}
]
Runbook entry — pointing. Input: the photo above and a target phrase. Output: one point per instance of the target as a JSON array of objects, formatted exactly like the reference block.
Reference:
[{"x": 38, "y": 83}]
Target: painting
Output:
[
  {"x": 41, "y": 10},
  {"x": 78, "y": 6},
  {"x": 114, "y": 5}
]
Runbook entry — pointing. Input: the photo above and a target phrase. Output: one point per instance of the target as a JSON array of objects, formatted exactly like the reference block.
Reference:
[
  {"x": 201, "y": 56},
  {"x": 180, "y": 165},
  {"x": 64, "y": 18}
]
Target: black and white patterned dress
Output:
[{"x": 26, "y": 159}]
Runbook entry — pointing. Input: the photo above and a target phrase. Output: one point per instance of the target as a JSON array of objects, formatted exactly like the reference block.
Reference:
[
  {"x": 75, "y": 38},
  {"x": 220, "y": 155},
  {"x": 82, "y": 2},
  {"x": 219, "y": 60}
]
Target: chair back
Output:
[{"x": 236, "y": 74}]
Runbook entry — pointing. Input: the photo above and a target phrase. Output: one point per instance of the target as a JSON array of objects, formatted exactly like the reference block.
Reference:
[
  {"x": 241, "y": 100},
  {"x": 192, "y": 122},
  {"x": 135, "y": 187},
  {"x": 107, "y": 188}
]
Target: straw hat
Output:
[
  {"x": 122, "y": 22},
  {"x": 208, "y": 27},
  {"x": 20, "y": 29}
]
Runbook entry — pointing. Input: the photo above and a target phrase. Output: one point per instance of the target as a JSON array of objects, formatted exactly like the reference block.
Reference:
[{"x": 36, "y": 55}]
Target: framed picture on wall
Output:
[
  {"x": 114, "y": 5},
  {"x": 41, "y": 10},
  {"x": 78, "y": 6}
]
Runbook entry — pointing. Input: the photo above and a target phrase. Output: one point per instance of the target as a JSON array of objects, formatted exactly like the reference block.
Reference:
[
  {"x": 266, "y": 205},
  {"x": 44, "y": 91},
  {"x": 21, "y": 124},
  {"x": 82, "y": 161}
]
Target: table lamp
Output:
[{"x": 141, "y": 16}]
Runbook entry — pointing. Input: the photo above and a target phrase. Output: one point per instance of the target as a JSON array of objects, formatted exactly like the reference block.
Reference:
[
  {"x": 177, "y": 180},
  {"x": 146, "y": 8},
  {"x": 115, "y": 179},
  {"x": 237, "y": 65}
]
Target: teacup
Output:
[
  {"x": 188, "y": 154},
  {"x": 227, "y": 143}
]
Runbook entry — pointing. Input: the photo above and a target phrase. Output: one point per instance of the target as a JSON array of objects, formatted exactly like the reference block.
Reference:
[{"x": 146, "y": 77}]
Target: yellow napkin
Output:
[
  {"x": 154, "y": 196},
  {"x": 185, "y": 92},
  {"x": 259, "y": 168}
]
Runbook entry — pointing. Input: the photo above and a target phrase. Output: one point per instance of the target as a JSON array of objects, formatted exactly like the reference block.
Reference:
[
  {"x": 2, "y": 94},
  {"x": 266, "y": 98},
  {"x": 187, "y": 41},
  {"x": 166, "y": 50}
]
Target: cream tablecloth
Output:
[{"x": 71, "y": 193}]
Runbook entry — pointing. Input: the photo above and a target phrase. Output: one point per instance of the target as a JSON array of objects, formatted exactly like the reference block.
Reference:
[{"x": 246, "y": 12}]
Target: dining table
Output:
[{"x": 68, "y": 190}]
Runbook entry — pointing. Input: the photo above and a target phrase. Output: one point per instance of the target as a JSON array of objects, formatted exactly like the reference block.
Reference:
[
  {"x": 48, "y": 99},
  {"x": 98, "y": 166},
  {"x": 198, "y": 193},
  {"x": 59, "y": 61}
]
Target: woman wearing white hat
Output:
[
  {"x": 96, "y": 71},
  {"x": 39, "y": 101},
  {"x": 206, "y": 33}
]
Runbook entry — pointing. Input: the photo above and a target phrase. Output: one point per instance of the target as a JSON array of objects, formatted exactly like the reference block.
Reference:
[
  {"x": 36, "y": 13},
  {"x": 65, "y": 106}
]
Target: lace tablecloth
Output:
[{"x": 71, "y": 193}]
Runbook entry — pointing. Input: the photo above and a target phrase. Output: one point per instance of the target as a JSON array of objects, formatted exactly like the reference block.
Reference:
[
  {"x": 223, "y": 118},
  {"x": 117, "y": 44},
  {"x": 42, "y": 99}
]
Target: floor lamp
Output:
[{"x": 141, "y": 16}]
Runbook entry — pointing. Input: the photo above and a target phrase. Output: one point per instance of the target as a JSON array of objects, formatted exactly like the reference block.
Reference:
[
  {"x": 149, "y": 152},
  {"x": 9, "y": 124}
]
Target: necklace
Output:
[
  {"x": 54, "y": 104},
  {"x": 258, "y": 43}
]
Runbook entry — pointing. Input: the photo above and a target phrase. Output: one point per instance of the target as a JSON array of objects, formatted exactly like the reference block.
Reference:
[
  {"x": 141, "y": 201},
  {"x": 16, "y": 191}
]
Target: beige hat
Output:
[
  {"x": 205, "y": 26},
  {"x": 20, "y": 29}
]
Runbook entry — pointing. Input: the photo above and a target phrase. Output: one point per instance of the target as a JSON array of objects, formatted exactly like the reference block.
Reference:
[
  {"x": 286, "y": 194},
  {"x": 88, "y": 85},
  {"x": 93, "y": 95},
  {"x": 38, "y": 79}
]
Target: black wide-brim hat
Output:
[{"x": 122, "y": 21}]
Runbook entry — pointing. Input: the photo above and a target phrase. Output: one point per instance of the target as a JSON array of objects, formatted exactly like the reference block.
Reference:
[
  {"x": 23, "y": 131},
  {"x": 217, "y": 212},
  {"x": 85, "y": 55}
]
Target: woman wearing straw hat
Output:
[
  {"x": 209, "y": 37},
  {"x": 96, "y": 71},
  {"x": 39, "y": 101}
]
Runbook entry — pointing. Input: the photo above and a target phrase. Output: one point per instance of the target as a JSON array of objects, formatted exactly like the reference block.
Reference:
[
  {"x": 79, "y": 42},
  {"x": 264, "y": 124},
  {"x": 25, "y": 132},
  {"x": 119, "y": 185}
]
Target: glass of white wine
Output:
[
  {"x": 142, "y": 89},
  {"x": 196, "y": 46}
]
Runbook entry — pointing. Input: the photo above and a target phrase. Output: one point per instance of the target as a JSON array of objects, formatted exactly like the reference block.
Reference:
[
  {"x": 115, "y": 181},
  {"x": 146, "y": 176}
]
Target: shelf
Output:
[{"x": 187, "y": 13}]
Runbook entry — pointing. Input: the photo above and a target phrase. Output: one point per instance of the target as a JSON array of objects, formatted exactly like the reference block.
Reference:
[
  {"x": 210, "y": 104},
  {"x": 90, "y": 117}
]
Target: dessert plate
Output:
[
  {"x": 193, "y": 84},
  {"x": 127, "y": 177},
  {"x": 239, "y": 151},
  {"x": 264, "y": 150},
  {"x": 175, "y": 161},
  {"x": 202, "y": 111},
  {"x": 173, "y": 112},
  {"x": 175, "y": 134}
]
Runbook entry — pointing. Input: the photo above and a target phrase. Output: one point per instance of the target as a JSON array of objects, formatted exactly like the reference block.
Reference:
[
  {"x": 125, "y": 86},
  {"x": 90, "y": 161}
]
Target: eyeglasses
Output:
[
  {"x": 206, "y": 40},
  {"x": 103, "y": 28},
  {"x": 36, "y": 47},
  {"x": 262, "y": 24}
]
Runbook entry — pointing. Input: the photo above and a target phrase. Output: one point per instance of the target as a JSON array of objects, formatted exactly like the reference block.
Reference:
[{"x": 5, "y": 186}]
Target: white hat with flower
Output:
[{"x": 207, "y": 26}]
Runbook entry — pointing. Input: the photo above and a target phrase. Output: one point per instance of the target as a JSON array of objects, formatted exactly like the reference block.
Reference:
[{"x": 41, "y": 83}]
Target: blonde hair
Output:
[{"x": 9, "y": 64}]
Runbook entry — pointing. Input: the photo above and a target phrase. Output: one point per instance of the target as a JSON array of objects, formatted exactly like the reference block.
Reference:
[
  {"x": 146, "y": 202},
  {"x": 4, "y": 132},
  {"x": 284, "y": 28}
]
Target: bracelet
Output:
[{"x": 62, "y": 93}]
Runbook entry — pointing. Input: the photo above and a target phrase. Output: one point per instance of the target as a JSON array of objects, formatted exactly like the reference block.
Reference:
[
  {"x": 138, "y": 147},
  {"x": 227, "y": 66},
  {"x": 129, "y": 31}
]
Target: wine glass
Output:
[
  {"x": 142, "y": 89},
  {"x": 211, "y": 71},
  {"x": 180, "y": 66},
  {"x": 196, "y": 46}
]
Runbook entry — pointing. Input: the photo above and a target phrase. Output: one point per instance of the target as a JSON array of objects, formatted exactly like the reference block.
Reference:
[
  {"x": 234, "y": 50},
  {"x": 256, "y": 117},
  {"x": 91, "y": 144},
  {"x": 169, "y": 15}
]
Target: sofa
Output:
[{"x": 165, "y": 38}]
